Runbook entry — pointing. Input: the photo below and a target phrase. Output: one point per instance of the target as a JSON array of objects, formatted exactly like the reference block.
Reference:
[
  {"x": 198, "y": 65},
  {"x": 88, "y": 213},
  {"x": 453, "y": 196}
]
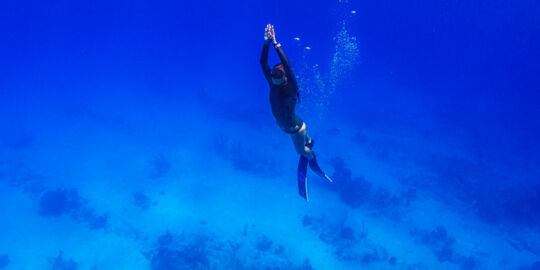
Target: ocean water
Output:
[{"x": 139, "y": 135}]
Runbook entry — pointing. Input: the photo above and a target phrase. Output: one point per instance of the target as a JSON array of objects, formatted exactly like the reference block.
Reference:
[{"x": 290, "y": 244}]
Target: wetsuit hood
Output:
[{"x": 277, "y": 73}]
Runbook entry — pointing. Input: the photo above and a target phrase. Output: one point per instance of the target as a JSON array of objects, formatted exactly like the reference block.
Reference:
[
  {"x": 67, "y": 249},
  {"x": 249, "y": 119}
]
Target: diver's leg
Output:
[
  {"x": 308, "y": 142},
  {"x": 299, "y": 140}
]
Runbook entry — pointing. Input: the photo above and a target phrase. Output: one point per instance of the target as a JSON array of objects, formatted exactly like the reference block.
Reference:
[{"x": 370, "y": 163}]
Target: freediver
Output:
[{"x": 283, "y": 98}]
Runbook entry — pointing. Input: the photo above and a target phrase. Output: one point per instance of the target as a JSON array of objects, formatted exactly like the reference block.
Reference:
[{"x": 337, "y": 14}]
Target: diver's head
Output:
[{"x": 278, "y": 74}]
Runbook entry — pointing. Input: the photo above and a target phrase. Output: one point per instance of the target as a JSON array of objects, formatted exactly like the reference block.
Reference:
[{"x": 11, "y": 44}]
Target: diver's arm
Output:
[
  {"x": 264, "y": 54},
  {"x": 282, "y": 57},
  {"x": 264, "y": 61},
  {"x": 286, "y": 63}
]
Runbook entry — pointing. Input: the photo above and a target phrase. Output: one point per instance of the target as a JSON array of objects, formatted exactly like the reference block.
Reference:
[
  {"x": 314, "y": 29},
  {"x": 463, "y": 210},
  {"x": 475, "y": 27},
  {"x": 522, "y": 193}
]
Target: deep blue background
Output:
[{"x": 479, "y": 58}]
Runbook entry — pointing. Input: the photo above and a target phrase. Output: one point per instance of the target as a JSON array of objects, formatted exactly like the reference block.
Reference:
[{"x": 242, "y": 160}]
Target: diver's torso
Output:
[{"x": 283, "y": 100}]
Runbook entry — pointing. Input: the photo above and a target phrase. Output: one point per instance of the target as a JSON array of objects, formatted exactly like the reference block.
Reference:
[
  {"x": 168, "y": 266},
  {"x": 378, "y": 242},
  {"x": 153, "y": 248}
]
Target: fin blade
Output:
[
  {"x": 302, "y": 177},
  {"x": 314, "y": 165}
]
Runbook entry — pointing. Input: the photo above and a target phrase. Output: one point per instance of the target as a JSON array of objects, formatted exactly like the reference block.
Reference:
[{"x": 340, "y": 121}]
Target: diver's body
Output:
[
  {"x": 284, "y": 96},
  {"x": 283, "y": 99}
]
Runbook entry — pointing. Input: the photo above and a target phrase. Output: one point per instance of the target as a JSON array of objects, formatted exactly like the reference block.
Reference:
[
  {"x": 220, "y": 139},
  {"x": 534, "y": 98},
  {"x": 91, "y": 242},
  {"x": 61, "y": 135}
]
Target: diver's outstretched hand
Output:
[
  {"x": 270, "y": 34},
  {"x": 267, "y": 36}
]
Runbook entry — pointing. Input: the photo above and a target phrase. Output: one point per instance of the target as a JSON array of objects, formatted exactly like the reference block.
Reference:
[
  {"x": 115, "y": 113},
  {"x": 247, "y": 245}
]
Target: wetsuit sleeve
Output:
[
  {"x": 264, "y": 61},
  {"x": 287, "y": 64}
]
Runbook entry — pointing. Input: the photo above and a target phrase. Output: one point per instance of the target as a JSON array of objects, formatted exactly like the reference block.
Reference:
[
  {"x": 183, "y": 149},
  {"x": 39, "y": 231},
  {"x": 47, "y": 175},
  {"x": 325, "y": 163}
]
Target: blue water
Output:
[{"x": 139, "y": 135}]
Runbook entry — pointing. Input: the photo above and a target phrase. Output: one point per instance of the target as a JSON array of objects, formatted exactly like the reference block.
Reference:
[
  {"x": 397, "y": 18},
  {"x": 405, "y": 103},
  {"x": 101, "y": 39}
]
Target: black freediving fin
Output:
[
  {"x": 316, "y": 169},
  {"x": 302, "y": 177}
]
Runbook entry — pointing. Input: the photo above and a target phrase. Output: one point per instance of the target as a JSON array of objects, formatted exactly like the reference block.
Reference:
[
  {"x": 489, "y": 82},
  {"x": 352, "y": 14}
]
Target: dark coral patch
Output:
[
  {"x": 58, "y": 202},
  {"x": 59, "y": 263}
]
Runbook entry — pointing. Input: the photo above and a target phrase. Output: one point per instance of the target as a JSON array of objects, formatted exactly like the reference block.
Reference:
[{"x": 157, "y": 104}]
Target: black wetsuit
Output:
[{"x": 283, "y": 97}]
